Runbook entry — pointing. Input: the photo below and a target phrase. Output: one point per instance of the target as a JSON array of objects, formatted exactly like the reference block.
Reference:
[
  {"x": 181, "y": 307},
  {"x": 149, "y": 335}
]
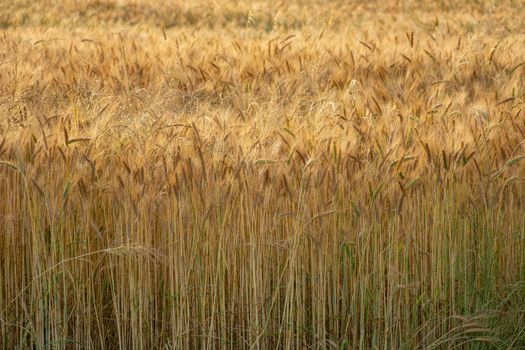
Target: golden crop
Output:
[{"x": 262, "y": 175}]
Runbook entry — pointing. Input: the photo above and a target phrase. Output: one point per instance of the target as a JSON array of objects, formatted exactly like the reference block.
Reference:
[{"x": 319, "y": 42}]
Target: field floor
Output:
[{"x": 238, "y": 174}]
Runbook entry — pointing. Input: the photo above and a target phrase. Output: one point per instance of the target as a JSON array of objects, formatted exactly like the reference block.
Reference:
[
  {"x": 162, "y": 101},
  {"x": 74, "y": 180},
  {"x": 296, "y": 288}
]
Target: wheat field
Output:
[{"x": 300, "y": 174}]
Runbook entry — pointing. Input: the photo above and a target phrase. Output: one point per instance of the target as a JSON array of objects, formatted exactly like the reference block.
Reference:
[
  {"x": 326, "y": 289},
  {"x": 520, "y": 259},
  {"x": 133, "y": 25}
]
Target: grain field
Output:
[{"x": 299, "y": 174}]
